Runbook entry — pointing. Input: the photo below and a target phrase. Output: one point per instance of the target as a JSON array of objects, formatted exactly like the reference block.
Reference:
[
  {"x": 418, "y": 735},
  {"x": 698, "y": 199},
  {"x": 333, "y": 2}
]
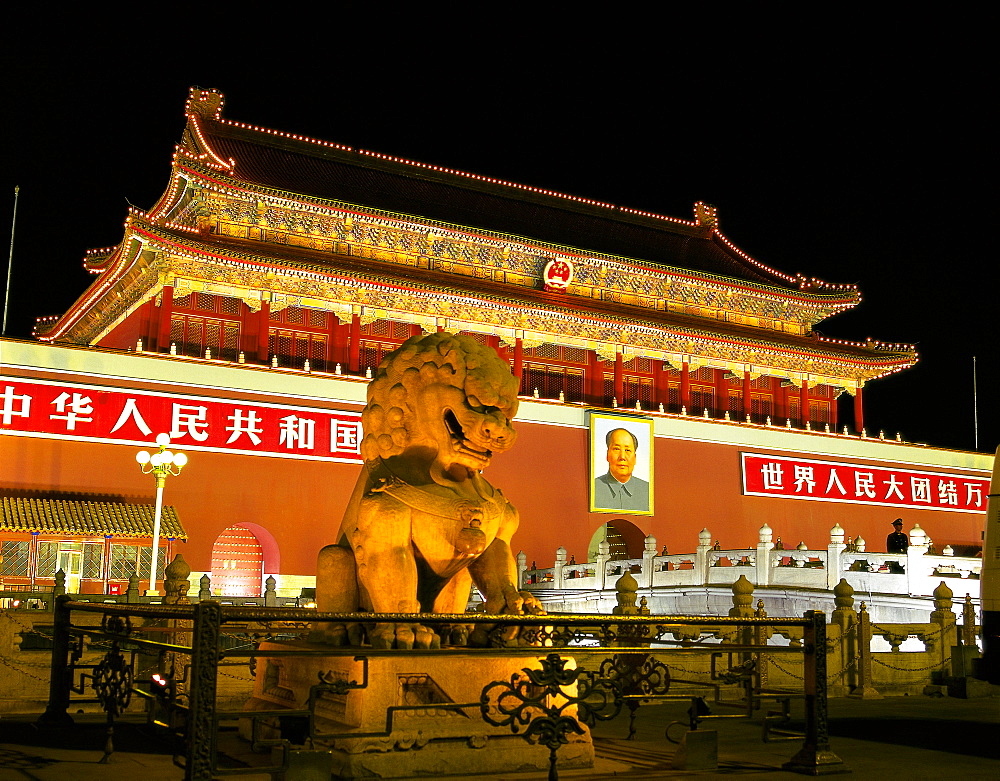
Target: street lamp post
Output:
[{"x": 159, "y": 464}]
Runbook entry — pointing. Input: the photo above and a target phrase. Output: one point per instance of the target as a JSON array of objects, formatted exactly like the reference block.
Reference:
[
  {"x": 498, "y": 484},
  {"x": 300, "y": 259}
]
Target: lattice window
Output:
[
  {"x": 735, "y": 403},
  {"x": 702, "y": 399},
  {"x": 640, "y": 365},
  {"x": 204, "y": 302},
  {"x": 636, "y": 389},
  {"x": 129, "y": 560},
  {"x": 230, "y": 347},
  {"x": 400, "y": 330},
  {"x": 317, "y": 318},
  {"x": 191, "y": 335},
  {"x": 293, "y": 315},
  {"x": 761, "y": 407},
  {"x": 48, "y": 555},
  {"x": 229, "y": 305},
  {"x": 819, "y": 411},
  {"x": 822, "y": 391},
  {"x": 15, "y": 558},
  {"x": 674, "y": 396},
  {"x": 550, "y": 380},
  {"x": 146, "y": 556},
  {"x": 182, "y": 302},
  {"x": 574, "y": 355},
  {"x": 761, "y": 383},
  {"x": 177, "y": 333},
  {"x": 373, "y": 352},
  {"x": 123, "y": 562},
  {"x": 477, "y": 337},
  {"x": 703, "y": 374},
  {"x": 93, "y": 555}
]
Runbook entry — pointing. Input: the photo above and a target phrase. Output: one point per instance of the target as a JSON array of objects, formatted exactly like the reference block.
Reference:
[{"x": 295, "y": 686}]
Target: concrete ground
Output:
[{"x": 898, "y": 737}]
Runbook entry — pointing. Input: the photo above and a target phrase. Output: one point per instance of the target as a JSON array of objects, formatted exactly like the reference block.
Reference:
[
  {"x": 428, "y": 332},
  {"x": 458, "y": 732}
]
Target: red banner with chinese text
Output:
[
  {"x": 829, "y": 481},
  {"x": 99, "y": 414}
]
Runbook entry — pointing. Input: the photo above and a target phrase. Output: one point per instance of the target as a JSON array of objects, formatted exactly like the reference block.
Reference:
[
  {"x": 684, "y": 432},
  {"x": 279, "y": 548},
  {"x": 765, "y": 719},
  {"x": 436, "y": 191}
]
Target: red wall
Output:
[{"x": 697, "y": 485}]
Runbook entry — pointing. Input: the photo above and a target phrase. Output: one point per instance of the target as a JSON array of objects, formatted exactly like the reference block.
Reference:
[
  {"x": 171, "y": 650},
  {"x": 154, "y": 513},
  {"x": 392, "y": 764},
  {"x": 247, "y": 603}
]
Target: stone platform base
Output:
[{"x": 410, "y": 714}]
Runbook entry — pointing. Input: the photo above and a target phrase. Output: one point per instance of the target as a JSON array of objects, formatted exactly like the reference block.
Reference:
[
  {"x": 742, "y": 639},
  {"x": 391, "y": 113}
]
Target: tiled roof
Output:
[
  {"x": 83, "y": 518},
  {"x": 348, "y": 177}
]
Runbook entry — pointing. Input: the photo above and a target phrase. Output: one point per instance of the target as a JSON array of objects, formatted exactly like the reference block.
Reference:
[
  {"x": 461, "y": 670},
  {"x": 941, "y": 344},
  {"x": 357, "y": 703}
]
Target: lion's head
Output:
[{"x": 443, "y": 398}]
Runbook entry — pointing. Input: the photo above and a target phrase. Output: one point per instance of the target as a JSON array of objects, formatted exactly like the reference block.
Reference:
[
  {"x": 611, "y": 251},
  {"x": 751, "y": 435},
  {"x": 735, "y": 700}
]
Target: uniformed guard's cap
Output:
[{"x": 898, "y": 522}]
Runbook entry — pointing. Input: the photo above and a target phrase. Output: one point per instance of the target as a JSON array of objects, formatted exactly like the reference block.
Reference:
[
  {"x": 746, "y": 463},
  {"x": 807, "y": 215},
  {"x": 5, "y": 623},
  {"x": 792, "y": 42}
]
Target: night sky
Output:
[{"x": 850, "y": 157}]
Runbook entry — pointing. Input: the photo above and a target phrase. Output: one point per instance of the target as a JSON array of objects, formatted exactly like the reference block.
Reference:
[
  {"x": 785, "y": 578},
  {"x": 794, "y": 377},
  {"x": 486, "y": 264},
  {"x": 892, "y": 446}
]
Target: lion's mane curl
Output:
[{"x": 390, "y": 420}]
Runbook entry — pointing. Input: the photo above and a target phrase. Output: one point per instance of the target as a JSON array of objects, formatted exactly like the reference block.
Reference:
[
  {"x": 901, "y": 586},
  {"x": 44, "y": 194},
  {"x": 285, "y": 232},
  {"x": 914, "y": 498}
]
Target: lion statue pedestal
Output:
[{"x": 410, "y": 714}]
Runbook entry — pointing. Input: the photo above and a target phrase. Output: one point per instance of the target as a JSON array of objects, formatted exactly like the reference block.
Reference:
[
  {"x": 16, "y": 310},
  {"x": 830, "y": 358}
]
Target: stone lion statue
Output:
[{"x": 423, "y": 524}]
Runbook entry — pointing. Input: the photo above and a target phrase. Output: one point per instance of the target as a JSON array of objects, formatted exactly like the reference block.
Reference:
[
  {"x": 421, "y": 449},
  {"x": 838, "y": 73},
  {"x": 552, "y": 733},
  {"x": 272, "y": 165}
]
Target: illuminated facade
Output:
[{"x": 280, "y": 269}]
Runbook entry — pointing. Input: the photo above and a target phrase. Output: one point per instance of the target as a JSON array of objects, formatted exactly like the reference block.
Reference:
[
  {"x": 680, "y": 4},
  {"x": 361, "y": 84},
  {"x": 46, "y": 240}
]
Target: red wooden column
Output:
[
  {"x": 833, "y": 412},
  {"x": 804, "y": 403},
  {"x": 747, "y": 398},
  {"x": 518, "y": 364},
  {"x": 165, "y": 309},
  {"x": 354, "y": 346},
  {"x": 619, "y": 378},
  {"x": 263, "y": 328},
  {"x": 594, "y": 380},
  {"x": 335, "y": 340},
  {"x": 721, "y": 393},
  {"x": 685, "y": 386},
  {"x": 859, "y": 415}
]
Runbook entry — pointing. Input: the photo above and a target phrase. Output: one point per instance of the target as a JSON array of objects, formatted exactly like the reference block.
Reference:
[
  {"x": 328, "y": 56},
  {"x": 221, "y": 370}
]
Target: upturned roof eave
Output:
[
  {"x": 836, "y": 301},
  {"x": 368, "y": 272}
]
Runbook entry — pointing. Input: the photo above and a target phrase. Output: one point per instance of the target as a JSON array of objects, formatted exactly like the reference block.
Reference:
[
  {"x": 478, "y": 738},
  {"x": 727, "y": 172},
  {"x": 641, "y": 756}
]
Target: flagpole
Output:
[
  {"x": 975, "y": 406},
  {"x": 10, "y": 262}
]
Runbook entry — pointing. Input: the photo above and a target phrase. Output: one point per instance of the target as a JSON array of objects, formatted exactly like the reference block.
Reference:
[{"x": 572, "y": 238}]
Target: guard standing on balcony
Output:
[{"x": 897, "y": 542}]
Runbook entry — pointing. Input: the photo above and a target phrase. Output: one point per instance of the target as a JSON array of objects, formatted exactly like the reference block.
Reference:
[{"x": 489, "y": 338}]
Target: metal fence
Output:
[{"x": 578, "y": 669}]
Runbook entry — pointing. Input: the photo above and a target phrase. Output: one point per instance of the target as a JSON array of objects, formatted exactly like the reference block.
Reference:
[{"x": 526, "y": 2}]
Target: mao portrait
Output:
[{"x": 621, "y": 460}]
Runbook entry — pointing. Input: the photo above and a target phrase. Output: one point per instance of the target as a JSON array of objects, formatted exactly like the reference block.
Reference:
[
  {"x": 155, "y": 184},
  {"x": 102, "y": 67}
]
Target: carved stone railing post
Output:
[
  {"x": 742, "y": 598},
  {"x": 557, "y": 569},
  {"x": 270, "y": 594},
  {"x": 603, "y": 557},
  {"x": 175, "y": 582},
  {"x": 60, "y": 585},
  {"x": 865, "y": 689},
  {"x": 844, "y": 622},
  {"x": 132, "y": 592},
  {"x": 205, "y": 588},
  {"x": 834, "y": 565},
  {"x": 764, "y": 548},
  {"x": 701, "y": 556},
  {"x": 522, "y": 567},
  {"x": 969, "y": 628},
  {"x": 944, "y": 617},
  {"x": 648, "y": 554}
]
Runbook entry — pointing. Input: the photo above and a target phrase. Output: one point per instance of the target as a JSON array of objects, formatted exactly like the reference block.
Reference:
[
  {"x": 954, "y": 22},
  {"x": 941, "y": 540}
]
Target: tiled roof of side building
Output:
[
  {"x": 84, "y": 518},
  {"x": 349, "y": 177}
]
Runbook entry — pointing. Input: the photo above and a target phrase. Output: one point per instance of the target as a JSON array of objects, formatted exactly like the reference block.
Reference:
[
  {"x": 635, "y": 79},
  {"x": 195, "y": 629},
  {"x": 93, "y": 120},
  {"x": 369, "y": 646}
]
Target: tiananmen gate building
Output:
[{"x": 244, "y": 312}]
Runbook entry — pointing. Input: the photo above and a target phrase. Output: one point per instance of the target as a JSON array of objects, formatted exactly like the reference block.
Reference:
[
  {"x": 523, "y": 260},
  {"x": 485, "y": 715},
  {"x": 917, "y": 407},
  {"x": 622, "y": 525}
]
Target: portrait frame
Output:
[{"x": 602, "y": 500}]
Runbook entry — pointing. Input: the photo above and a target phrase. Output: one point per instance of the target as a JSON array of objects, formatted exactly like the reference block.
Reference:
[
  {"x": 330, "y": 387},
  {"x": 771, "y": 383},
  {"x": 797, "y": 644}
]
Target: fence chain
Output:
[
  {"x": 934, "y": 666},
  {"x": 19, "y": 669},
  {"x": 771, "y": 660}
]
